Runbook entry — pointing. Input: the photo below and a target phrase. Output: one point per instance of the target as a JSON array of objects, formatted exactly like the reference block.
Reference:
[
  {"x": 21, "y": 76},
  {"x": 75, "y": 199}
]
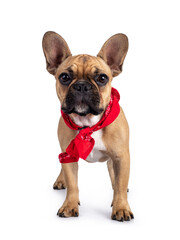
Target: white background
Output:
[{"x": 149, "y": 88}]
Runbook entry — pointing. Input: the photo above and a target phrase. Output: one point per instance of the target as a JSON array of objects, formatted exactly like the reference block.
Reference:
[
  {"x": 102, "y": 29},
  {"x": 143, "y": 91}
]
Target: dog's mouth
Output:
[
  {"x": 82, "y": 109},
  {"x": 82, "y": 104}
]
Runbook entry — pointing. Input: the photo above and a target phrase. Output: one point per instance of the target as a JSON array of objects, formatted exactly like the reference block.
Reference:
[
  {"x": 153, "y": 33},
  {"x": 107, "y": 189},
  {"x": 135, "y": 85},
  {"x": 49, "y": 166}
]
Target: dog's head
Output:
[{"x": 83, "y": 82}]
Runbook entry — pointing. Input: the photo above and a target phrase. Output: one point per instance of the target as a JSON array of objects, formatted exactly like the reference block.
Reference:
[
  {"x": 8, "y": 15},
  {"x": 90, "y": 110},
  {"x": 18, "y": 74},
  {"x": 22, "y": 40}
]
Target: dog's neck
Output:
[{"x": 85, "y": 121}]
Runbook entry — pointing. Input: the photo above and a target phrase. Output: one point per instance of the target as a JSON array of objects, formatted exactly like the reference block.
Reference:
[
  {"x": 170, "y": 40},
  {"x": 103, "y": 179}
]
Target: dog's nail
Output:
[
  {"x": 114, "y": 217},
  {"x": 132, "y": 216},
  {"x": 76, "y": 214},
  {"x": 61, "y": 214},
  {"x": 122, "y": 219},
  {"x": 79, "y": 203},
  {"x": 55, "y": 187},
  {"x": 128, "y": 190},
  {"x": 128, "y": 218}
]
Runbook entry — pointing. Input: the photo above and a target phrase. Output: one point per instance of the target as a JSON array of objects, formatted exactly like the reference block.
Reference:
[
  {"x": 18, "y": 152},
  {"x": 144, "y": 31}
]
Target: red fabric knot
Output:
[
  {"x": 85, "y": 136},
  {"x": 83, "y": 143},
  {"x": 67, "y": 158}
]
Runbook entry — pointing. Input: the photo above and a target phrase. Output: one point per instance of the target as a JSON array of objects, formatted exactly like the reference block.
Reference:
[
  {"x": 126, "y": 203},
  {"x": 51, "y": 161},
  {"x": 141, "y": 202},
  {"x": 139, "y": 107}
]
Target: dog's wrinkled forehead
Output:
[{"x": 84, "y": 67}]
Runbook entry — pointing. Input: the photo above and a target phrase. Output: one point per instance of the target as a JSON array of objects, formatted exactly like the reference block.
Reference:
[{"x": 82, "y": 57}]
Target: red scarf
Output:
[{"x": 83, "y": 143}]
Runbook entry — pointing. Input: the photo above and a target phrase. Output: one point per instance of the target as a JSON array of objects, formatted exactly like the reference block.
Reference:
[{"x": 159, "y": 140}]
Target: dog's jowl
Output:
[{"x": 92, "y": 125}]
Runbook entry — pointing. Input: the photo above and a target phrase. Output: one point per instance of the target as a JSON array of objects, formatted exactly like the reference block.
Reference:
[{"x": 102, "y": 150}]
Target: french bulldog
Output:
[{"x": 83, "y": 85}]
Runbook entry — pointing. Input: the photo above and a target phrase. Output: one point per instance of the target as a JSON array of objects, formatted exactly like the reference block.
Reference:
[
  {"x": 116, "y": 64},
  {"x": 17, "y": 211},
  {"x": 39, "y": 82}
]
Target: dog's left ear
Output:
[
  {"x": 113, "y": 52},
  {"x": 55, "y": 50}
]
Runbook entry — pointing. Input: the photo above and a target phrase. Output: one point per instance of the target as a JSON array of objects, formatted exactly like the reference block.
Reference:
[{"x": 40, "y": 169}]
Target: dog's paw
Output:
[
  {"x": 59, "y": 184},
  {"x": 69, "y": 209},
  {"x": 122, "y": 213}
]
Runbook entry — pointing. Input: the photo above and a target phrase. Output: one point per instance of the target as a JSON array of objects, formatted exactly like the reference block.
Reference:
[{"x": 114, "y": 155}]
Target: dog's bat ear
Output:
[
  {"x": 113, "y": 52},
  {"x": 55, "y": 50}
]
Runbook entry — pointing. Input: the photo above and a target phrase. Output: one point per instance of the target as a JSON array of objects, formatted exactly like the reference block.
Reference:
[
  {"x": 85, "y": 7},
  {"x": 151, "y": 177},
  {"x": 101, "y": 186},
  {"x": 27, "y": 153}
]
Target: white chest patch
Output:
[{"x": 96, "y": 153}]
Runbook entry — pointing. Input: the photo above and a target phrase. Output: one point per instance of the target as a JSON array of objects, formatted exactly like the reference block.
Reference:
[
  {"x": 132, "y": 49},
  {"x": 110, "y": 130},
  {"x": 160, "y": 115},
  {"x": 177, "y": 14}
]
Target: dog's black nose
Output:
[{"x": 82, "y": 87}]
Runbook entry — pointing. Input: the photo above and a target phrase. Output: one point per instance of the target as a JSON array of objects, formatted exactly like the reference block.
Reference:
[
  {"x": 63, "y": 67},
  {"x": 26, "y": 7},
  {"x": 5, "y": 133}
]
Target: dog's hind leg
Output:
[{"x": 60, "y": 181}]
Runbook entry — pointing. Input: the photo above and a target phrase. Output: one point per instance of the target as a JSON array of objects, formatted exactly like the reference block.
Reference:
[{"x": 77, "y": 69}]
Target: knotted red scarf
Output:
[{"x": 83, "y": 143}]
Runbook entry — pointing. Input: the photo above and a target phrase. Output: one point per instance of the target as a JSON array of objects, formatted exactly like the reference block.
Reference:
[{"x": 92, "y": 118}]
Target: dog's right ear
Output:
[
  {"x": 55, "y": 50},
  {"x": 113, "y": 52}
]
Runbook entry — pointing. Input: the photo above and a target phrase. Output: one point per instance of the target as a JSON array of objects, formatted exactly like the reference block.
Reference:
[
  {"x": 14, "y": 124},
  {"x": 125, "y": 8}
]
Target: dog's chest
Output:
[{"x": 96, "y": 153}]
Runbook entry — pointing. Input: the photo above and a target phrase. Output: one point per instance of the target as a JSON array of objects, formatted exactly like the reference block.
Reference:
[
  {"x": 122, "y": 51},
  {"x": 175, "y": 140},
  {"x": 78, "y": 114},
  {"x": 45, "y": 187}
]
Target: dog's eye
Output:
[
  {"x": 65, "y": 78},
  {"x": 101, "y": 79}
]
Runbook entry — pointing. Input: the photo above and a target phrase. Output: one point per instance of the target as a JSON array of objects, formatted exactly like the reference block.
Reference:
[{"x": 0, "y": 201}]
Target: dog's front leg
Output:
[
  {"x": 121, "y": 210},
  {"x": 70, "y": 205}
]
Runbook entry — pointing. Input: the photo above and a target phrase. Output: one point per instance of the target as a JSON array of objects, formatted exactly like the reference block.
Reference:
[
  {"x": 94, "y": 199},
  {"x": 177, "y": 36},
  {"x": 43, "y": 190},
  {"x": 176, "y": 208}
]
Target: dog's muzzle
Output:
[
  {"x": 82, "y": 87},
  {"x": 82, "y": 98}
]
